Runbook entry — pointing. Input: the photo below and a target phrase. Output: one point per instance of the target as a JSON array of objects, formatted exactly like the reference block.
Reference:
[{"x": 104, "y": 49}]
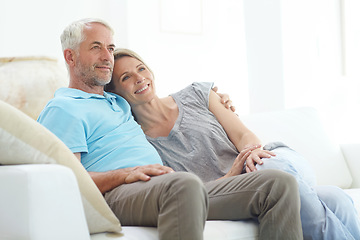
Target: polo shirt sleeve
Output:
[{"x": 66, "y": 126}]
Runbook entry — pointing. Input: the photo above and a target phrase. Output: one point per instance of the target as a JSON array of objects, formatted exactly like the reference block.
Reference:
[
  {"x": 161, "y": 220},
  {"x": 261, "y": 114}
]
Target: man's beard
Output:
[{"x": 89, "y": 75}]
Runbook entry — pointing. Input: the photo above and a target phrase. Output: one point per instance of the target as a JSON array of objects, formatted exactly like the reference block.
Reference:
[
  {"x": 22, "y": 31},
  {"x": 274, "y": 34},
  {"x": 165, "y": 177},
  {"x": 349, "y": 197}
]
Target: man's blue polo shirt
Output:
[{"x": 101, "y": 128}]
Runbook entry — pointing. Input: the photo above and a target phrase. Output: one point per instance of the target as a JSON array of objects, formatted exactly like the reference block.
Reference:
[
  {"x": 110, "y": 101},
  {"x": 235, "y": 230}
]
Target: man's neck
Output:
[{"x": 80, "y": 85}]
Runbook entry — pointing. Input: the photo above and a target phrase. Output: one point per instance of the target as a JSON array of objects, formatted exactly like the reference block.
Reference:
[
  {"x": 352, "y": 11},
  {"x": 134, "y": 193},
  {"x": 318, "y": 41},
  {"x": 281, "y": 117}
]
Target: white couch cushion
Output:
[
  {"x": 40, "y": 202},
  {"x": 214, "y": 230},
  {"x": 351, "y": 154},
  {"x": 24, "y": 141},
  {"x": 301, "y": 129}
]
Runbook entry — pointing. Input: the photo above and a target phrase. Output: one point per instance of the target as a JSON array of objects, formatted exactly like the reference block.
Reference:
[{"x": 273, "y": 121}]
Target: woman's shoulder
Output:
[
  {"x": 198, "y": 88},
  {"x": 202, "y": 86},
  {"x": 195, "y": 93}
]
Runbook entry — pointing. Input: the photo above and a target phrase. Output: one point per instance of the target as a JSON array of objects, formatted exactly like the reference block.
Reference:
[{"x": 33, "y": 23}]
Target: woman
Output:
[{"x": 193, "y": 127}]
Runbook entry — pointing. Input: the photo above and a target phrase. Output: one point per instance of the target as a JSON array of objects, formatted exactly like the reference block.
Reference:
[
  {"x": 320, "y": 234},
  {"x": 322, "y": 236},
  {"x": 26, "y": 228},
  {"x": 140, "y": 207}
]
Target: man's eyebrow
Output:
[
  {"x": 96, "y": 42},
  {"x": 99, "y": 43}
]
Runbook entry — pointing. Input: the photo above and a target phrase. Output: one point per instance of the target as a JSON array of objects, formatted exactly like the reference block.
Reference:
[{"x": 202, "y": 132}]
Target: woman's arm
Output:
[
  {"x": 237, "y": 132},
  {"x": 224, "y": 99},
  {"x": 106, "y": 181},
  {"x": 243, "y": 139}
]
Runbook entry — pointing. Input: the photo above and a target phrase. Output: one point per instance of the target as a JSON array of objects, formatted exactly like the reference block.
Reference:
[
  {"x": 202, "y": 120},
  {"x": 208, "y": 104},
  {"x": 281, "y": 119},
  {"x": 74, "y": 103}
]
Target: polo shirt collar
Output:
[{"x": 79, "y": 94}]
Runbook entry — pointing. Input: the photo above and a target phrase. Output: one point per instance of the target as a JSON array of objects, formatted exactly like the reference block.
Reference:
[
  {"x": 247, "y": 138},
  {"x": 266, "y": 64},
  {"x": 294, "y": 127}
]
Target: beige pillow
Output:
[
  {"x": 25, "y": 141},
  {"x": 31, "y": 88}
]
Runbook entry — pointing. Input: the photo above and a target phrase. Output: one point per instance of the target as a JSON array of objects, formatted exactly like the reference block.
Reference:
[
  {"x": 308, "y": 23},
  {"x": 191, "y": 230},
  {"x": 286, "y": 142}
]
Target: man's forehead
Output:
[{"x": 98, "y": 34}]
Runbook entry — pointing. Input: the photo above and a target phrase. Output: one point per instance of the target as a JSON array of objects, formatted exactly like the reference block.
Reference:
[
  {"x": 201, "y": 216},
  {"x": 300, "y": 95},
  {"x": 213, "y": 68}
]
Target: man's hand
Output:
[
  {"x": 225, "y": 99},
  {"x": 106, "y": 181},
  {"x": 144, "y": 173}
]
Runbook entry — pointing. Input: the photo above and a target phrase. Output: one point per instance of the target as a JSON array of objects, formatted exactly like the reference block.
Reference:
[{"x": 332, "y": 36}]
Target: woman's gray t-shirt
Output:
[{"x": 197, "y": 143}]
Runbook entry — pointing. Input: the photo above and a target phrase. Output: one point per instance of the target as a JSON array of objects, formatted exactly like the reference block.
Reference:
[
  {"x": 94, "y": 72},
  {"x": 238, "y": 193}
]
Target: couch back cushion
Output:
[
  {"x": 25, "y": 141},
  {"x": 302, "y": 130},
  {"x": 28, "y": 83}
]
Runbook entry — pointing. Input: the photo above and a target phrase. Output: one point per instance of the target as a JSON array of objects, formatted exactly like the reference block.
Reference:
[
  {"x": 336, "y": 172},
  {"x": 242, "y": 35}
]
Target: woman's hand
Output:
[
  {"x": 255, "y": 157},
  {"x": 238, "y": 164}
]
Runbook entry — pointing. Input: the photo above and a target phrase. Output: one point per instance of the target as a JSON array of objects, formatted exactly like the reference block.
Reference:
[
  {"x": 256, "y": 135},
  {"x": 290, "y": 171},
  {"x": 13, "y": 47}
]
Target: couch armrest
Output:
[
  {"x": 40, "y": 201},
  {"x": 352, "y": 157}
]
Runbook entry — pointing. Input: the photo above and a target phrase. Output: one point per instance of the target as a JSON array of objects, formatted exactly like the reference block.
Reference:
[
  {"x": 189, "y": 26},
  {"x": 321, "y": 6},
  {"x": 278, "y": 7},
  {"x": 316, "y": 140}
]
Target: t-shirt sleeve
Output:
[
  {"x": 67, "y": 127},
  {"x": 202, "y": 90}
]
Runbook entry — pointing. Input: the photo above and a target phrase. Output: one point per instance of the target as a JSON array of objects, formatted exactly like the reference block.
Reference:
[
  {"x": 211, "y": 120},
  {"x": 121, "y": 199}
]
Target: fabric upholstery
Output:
[
  {"x": 24, "y": 141},
  {"x": 28, "y": 83},
  {"x": 302, "y": 130}
]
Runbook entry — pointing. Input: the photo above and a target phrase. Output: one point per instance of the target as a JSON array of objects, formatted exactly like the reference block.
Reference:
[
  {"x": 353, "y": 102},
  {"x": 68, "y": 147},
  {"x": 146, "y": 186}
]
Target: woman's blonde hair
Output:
[{"x": 123, "y": 52}]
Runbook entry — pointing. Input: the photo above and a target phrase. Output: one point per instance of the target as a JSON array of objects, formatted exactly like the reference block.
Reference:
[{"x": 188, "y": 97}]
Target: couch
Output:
[{"x": 46, "y": 194}]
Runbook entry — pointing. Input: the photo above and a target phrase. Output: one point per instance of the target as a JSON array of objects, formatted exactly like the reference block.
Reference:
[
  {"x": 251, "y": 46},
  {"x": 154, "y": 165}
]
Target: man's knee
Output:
[
  {"x": 279, "y": 175},
  {"x": 281, "y": 183},
  {"x": 188, "y": 189},
  {"x": 186, "y": 182}
]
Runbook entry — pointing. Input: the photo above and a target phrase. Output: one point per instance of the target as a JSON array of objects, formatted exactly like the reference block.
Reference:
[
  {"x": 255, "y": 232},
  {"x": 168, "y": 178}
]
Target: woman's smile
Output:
[{"x": 142, "y": 89}]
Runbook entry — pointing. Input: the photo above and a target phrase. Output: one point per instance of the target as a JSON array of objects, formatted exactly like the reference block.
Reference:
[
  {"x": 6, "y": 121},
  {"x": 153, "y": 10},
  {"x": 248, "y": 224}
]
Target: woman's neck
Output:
[{"x": 156, "y": 117}]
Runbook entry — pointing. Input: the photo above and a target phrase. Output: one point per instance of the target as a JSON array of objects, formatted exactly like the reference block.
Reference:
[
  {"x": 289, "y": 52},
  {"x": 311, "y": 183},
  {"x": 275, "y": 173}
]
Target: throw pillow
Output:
[{"x": 25, "y": 141}]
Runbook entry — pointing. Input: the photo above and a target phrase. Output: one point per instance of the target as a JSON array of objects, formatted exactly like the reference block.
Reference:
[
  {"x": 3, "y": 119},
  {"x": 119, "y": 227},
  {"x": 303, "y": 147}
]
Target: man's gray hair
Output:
[{"x": 73, "y": 36}]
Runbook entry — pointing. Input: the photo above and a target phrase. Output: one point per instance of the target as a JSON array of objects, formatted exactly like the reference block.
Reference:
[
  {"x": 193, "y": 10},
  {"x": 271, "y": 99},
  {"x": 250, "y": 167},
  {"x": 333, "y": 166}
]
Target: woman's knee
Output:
[{"x": 334, "y": 197}]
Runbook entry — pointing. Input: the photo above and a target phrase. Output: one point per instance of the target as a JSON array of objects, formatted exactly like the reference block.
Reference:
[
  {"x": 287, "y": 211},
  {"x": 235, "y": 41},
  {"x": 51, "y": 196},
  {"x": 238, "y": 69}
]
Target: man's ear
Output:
[{"x": 69, "y": 56}]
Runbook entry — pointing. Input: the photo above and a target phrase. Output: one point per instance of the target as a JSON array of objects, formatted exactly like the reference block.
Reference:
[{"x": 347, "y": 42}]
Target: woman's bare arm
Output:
[{"x": 243, "y": 138}]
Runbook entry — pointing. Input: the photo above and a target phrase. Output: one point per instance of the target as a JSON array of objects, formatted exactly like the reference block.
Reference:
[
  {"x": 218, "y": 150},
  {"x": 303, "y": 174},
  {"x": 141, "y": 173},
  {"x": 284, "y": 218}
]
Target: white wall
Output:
[
  {"x": 179, "y": 51},
  {"x": 183, "y": 46},
  {"x": 314, "y": 67},
  {"x": 32, "y": 28},
  {"x": 267, "y": 54}
]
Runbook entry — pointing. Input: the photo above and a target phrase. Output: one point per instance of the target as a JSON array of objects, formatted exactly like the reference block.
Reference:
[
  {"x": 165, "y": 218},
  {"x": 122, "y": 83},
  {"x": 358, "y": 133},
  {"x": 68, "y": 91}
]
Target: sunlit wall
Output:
[{"x": 267, "y": 54}]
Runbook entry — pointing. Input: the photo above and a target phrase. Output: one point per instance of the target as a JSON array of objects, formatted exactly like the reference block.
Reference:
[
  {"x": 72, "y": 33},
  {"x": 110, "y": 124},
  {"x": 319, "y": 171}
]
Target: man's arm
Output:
[{"x": 109, "y": 180}]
